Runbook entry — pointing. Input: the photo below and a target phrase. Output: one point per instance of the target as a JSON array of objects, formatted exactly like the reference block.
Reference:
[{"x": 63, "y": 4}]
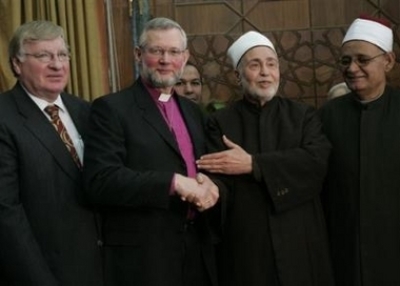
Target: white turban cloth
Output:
[
  {"x": 372, "y": 32},
  {"x": 246, "y": 42}
]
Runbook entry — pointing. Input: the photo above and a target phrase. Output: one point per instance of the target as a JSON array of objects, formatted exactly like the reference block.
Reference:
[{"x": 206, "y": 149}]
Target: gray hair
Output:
[
  {"x": 161, "y": 24},
  {"x": 32, "y": 32}
]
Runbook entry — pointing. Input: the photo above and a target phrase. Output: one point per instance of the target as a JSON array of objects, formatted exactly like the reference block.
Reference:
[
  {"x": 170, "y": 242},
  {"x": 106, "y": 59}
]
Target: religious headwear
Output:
[
  {"x": 374, "y": 31},
  {"x": 246, "y": 42}
]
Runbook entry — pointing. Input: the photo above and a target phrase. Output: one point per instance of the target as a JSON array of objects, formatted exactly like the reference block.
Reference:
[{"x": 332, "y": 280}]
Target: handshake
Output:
[{"x": 200, "y": 191}]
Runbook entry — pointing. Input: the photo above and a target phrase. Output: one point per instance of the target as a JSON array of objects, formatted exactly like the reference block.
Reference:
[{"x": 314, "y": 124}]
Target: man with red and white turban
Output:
[{"x": 362, "y": 189}]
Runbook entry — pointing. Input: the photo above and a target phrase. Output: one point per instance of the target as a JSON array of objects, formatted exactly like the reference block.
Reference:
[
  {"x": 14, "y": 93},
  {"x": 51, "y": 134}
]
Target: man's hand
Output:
[
  {"x": 233, "y": 161},
  {"x": 209, "y": 197},
  {"x": 201, "y": 191}
]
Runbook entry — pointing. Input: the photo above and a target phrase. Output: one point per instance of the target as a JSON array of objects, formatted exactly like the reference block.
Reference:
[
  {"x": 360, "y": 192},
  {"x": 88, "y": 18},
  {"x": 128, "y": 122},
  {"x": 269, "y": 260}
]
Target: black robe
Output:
[
  {"x": 362, "y": 190},
  {"x": 274, "y": 233}
]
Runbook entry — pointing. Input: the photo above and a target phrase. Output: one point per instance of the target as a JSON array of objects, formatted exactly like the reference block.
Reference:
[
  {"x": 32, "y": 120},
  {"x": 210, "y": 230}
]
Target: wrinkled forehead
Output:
[
  {"x": 57, "y": 43},
  {"x": 171, "y": 38},
  {"x": 261, "y": 53},
  {"x": 190, "y": 72}
]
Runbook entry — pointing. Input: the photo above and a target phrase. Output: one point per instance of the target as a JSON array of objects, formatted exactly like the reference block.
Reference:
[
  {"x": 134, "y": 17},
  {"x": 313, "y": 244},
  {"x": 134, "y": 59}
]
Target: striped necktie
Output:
[{"x": 52, "y": 110}]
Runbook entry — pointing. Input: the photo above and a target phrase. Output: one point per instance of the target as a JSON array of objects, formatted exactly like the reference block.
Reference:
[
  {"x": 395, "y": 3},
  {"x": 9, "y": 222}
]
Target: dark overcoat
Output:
[
  {"x": 274, "y": 224},
  {"x": 361, "y": 196},
  {"x": 130, "y": 160}
]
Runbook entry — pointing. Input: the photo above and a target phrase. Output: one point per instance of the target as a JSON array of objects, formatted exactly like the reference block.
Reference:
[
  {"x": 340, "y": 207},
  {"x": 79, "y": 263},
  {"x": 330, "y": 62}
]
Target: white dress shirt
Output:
[{"x": 66, "y": 120}]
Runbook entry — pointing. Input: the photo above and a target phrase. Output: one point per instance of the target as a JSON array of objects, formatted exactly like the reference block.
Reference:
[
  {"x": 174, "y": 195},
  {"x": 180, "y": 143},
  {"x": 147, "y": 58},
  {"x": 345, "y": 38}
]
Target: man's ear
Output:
[
  {"x": 186, "y": 55},
  {"x": 391, "y": 60},
  {"x": 238, "y": 77},
  {"x": 15, "y": 63},
  {"x": 138, "y": 54}
]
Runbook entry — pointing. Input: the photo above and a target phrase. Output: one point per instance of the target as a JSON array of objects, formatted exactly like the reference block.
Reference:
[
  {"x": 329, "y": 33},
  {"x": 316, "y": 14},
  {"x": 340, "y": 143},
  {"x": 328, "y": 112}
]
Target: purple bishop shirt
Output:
[{"x": 172, "y": 115}]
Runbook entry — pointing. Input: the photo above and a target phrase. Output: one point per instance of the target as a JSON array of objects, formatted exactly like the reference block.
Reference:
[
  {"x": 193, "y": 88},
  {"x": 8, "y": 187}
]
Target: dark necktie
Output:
[{"x": 52, "y": 110}]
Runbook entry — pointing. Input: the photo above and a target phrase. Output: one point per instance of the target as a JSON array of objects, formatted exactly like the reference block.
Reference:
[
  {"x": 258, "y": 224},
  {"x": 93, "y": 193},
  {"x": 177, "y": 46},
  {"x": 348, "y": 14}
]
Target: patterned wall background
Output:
[{"x": 307, "y": 35}]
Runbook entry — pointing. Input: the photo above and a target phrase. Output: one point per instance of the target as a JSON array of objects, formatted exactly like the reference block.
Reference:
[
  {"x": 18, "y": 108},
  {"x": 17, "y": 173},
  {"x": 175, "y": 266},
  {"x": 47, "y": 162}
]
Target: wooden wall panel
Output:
[
  {"x": 212, "y": 19},
  {"x": 333, "y": 13},
  {"x": 307, "y": 35},
  {"x": 124, "y": 42},
  {"x": 391, "y": 9},
  {"x": 280, "y": 15},
  {"x": 322, "y": 16}
]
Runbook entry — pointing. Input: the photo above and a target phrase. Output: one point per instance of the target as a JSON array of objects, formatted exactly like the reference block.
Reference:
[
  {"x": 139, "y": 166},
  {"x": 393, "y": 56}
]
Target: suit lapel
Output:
[
  {"x": 193, "y": 125},
  {"x": 75, "y": 111},
  {"x": 37, "y": 123},
  {"x": 153, "y": 116}
]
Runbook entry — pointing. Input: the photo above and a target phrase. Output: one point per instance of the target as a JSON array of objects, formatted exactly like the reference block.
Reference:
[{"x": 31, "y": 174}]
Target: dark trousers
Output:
[
  {"x": 179, "y": 262},
  {"x": 194, "y": 270}
]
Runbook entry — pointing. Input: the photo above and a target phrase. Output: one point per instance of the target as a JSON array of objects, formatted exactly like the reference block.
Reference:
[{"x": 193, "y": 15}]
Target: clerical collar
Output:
[
  {"x": 155, "y": 93},
  {"x": 254, "y": 104},
  {"x": 366, "y": 101},
  {"x": 164, "y": 97},
  {"x": 370, "y": 100}
]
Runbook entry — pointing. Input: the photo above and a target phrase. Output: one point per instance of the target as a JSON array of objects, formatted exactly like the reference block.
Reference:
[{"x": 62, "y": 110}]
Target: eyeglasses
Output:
[
  {"x": 45, "y": 57},
  {"x": 361, "y": 61},
  {"x": 159, "y": 52}
]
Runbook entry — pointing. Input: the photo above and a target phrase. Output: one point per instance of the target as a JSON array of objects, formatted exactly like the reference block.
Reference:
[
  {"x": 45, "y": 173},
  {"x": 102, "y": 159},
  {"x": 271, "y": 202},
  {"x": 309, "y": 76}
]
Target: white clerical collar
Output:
[
  {"x": 164, "y": 97},
  {"x": 370, "y": 100}
]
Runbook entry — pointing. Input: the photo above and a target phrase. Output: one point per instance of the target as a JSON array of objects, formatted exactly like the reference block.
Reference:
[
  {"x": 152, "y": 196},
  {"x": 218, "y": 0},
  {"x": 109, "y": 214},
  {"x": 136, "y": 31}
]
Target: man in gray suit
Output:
[{"x": 46, "y": 236}]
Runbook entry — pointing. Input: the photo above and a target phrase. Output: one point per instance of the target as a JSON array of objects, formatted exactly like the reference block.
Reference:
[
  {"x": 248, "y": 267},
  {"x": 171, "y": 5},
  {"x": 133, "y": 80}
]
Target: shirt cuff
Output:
[{"x": 172, "y": 191}]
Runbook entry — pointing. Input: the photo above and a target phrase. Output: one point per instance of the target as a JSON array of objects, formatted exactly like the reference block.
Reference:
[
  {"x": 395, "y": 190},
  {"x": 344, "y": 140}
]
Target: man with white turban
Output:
[
  {"x": 273, "y": 156},
  {"x": 362, "y": 191}
]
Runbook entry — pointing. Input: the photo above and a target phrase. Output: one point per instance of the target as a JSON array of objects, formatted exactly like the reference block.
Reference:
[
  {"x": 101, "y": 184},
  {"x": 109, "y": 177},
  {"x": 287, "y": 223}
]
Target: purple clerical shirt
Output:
[{"x": 173, "y": 117}]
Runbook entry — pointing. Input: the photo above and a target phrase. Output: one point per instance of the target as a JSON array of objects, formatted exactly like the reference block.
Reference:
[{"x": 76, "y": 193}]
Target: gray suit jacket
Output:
[{"x": 46, "y": 236}]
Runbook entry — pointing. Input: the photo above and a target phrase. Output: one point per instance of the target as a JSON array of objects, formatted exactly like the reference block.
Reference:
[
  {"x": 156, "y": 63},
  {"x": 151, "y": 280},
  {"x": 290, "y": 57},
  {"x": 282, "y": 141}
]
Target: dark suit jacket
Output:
[
  {"x": 130, "y": 159},
  {"x": 46, "y": 236}
]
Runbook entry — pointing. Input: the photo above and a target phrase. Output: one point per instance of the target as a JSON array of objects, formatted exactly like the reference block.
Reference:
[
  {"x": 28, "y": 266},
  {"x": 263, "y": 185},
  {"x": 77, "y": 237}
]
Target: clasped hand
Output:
[{"x": 202, "y": 192}]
